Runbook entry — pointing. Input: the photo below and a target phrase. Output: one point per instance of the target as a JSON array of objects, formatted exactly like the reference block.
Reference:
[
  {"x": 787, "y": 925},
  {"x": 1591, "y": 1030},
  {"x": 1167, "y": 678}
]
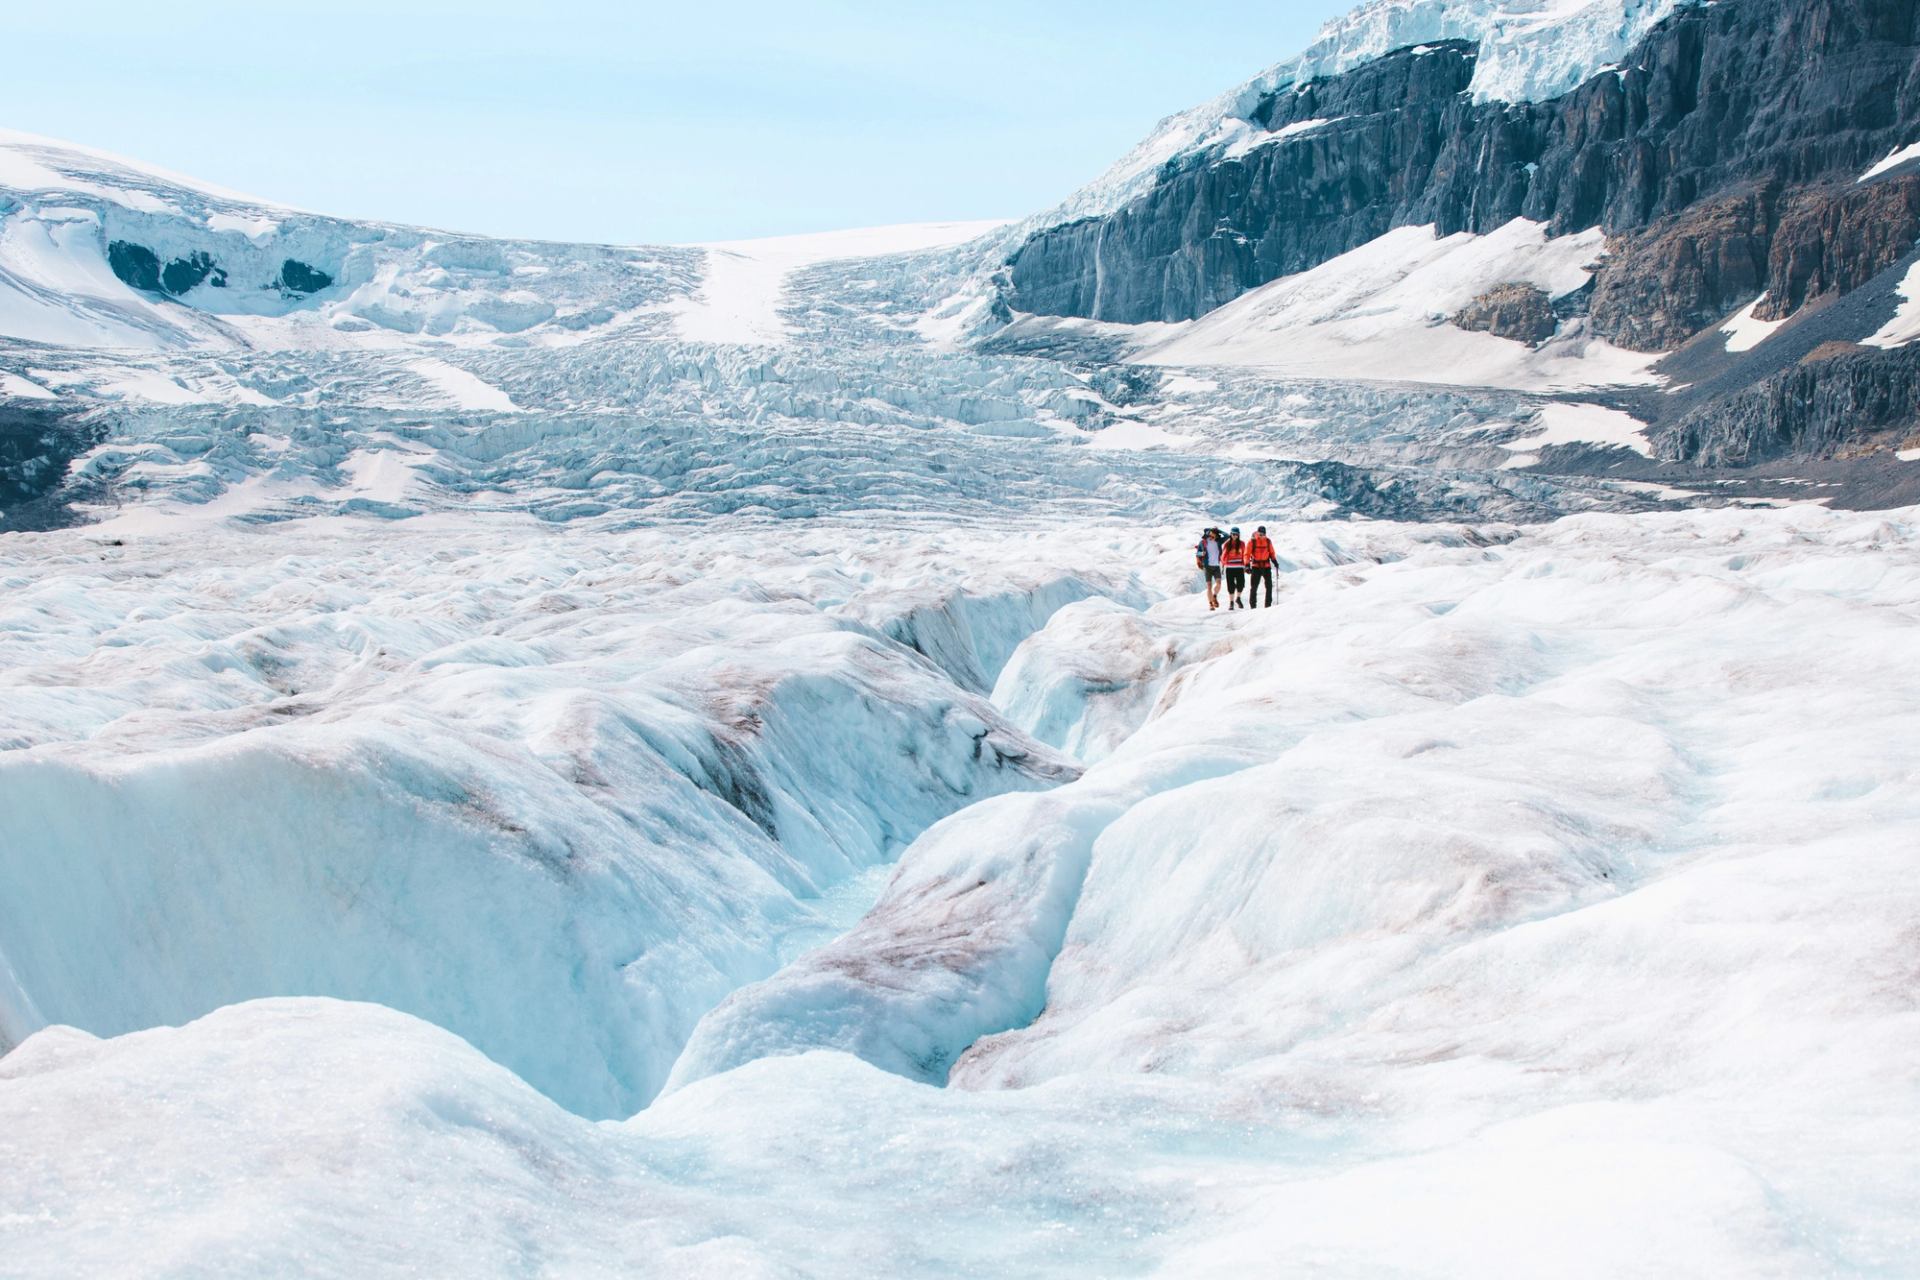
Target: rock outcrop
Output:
[
  {"x": 140, "y": 267},
  {"x": 37, "y": 445},
  {"x": 1834, "y": 402},
  {"x": 1517, "y": 311}
]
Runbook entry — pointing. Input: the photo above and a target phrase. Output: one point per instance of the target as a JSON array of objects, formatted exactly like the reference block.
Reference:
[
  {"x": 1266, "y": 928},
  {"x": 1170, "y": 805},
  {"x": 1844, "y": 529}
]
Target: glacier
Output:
[
  {"x": 1507, "y": 898},
  {"x": 542, "y": 759}
]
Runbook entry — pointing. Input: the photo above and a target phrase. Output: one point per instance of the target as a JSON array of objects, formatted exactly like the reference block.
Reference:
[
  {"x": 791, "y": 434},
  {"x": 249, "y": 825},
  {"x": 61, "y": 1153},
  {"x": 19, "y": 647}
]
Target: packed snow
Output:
[
  {"x": 1905, "y": 325},
  {"x": 1383, "y": 311},
  {"x": 1893, "y": 160},
  {"x": 462, "y": 388},
  {"x": 1746, "y": 331},
  {"x": 12, "y": 384},
  {"x": 1595, "y": 424}
]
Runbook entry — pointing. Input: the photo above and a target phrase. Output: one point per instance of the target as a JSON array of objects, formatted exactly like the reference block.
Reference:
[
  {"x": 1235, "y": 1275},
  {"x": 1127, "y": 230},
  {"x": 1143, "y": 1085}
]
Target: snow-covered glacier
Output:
[{"x": 535, "y": 759}]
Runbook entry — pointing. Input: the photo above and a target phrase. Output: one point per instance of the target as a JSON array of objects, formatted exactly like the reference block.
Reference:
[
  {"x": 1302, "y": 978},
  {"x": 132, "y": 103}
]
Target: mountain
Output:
[
  {"x": 1701, "y": 216},
  {"x": 536, "y": 759},
  {"x": 1728, "y": 187}
]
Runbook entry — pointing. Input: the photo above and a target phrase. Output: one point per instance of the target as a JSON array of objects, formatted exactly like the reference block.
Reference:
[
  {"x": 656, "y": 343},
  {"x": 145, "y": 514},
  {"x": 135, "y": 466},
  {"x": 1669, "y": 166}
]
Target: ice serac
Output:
[{"x": 100, "y": 251}]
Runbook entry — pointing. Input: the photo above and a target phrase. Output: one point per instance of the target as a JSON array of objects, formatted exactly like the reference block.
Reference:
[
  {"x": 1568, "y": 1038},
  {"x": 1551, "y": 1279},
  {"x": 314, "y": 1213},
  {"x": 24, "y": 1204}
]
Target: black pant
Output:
[
  {"x": 1259, "y": 576},
  {"x": 1236, "y": 582}
]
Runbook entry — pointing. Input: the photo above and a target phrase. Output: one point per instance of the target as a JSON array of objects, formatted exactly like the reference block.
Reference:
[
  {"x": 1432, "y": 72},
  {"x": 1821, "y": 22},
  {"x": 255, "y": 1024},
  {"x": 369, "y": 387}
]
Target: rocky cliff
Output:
[
  {"x": 1841, "y": 400},
  {"x": 1721, "y": 157}
]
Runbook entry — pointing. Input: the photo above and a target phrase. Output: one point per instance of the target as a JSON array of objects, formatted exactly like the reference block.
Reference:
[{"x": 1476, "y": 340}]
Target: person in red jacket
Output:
[
  {"x": 1260, "y": 562},
  {"x": 1233, "y": 558}
]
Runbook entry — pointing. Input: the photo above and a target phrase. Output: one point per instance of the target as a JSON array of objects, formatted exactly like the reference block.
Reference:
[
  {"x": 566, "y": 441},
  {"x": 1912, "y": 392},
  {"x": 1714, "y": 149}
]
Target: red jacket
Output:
[
  {"x": 1260, "y": 551},
  {"x": 1234, "y": 554}
]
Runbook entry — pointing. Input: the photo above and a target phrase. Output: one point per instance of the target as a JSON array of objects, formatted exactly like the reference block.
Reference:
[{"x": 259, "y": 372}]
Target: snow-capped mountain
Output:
[
  {"x": 96, "y": 251},
  {"x": 1527, "y": 51},
  {"x": 538, "y": 759}
]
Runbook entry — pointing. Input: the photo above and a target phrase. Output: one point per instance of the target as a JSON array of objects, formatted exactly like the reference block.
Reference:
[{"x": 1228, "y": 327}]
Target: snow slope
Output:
[
  {"x": 744, "y": 283},
  {"x": 62, "y": 206},
  {"x": 1383, "y": 311}
]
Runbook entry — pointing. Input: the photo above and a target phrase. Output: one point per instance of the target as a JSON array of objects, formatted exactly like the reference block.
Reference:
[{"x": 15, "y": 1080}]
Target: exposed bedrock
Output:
[
  {"x": 1722, "y": 157},
  {"x": 37, "y": 445},
  {"x": 1517, "y": 311},
  {"x": 1840, "y": 400}
]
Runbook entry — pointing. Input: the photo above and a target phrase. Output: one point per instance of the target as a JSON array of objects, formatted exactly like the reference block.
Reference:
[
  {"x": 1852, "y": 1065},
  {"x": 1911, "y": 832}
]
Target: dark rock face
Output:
[
  {"x": 1517, "y": 311},
  {"x": 1208, "y": 233},
  {"x": 135, "y": 264},
  {"x": 186, "y": 273},
  {"x": 1834, "y": 238},
  {"x": 139, "y": 267},
  {"x": 1721, "y": 160},
  {"x": 1683, "y": 274},
  {"x": 1840, "y": 400},
  {"x": 297, "y": 277},
  {"x": 37, "y": 445}
]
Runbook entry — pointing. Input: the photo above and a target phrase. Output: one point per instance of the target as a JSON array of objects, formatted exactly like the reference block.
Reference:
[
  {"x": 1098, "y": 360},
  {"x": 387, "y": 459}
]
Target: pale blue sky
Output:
[{"x": 634, "y": 122}]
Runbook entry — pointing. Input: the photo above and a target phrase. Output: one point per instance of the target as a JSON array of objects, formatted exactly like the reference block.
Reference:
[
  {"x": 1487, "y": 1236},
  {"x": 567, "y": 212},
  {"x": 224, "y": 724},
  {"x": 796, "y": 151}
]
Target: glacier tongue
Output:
[{"x": 1505, "y": 902}]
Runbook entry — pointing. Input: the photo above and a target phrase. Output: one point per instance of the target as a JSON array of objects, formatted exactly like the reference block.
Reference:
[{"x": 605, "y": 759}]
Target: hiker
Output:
[
  {"x": 1206, "y": 555},
  {"x": 1233, "y": 558},
  {"x": 1260, "y": 562}
]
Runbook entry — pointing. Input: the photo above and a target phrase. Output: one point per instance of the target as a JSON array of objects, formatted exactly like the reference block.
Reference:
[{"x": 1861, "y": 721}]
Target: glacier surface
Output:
[
  {"x": 521, "y": 759},
  {"x": 1507, "y": 900}
]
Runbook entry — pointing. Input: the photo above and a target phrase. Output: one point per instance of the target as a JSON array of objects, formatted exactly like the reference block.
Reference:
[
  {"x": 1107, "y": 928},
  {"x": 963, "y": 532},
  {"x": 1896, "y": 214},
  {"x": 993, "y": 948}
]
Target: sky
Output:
[{"x": 638, "y": 122}]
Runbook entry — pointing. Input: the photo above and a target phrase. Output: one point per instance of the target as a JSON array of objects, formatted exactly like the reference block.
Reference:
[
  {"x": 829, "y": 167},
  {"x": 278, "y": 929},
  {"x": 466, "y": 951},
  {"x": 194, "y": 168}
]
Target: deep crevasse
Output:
[{"x": 561, "y": 809}]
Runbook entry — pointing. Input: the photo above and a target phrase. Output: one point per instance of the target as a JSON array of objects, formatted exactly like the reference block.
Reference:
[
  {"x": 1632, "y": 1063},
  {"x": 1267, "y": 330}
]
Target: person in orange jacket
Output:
[
  {"x": 1260, "y": 562},
  {"x": 1233, "y": 558}
]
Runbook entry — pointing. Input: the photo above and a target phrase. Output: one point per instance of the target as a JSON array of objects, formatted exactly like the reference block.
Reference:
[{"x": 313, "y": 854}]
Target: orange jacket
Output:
[
  {"x": 1234, "y": 554},
  {"x": 1260, "y": 551}
]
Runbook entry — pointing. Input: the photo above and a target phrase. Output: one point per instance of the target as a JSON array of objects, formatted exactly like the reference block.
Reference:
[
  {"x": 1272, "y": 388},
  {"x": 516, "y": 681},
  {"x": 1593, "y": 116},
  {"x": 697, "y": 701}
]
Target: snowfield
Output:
[
  {"x": 1383, "y": 311},
  {"x": 1507, "y": 901}
]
